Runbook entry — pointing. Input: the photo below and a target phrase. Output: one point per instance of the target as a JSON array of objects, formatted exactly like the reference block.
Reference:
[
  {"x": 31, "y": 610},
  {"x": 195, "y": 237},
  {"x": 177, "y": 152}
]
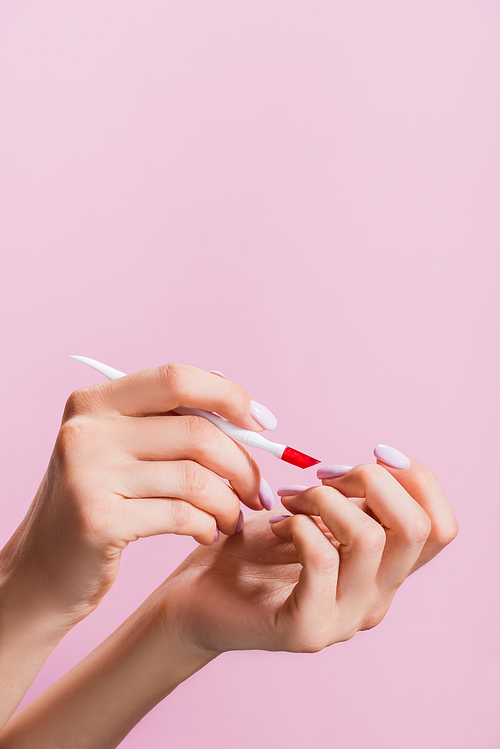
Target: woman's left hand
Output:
[{"x": 317, "y": 576}]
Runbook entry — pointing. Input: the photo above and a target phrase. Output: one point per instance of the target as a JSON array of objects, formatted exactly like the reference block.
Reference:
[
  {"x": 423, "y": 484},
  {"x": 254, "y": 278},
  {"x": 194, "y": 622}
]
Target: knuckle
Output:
[
  {"x": 181, "y": 513},
  {"x": 307, "y": 642},
  {"x": 446, "y": 533},
  {"x": 204, "y": 533},
  {"x": 418, "y": 529},
  {"x": 321, "y": 493},
  {"x": 311, "y": 646},
  {"x": 172, "y": 377},
  {"x": 84, "y": 401},
  {"x": 319, "y": 497},
  {"x": 370, "y": 535},
  {"x": 73, "y": 435},
  {"x": 201, "y": 431},
  {"x": 347, "y": 634},
  {"x": 324, "y": 562},
  {"x": 370, "y": 472},
  {"x": 234, "y": 398},
  {"x": 77, "y": 403},
  {"x": 94, "y": 523},
  {"x": 351, "y": 633},
  {"x": 373, "y": 619},
  {"x": 194, "y": 478},
  {"x": 300, "y": 523}
]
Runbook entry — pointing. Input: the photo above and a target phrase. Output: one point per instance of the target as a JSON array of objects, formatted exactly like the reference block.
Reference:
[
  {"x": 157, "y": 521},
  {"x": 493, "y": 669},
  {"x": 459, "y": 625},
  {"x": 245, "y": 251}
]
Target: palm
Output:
[{"x": 232, "y": 593}]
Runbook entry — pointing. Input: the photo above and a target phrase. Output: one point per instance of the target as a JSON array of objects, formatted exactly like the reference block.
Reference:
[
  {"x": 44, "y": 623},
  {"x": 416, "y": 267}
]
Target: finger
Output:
[
  {"x": 406, "y": 524},
  {"x": 184, "y": 480},
  {"x": 308, "y": 615},
  {"x": 175, "y": 438},
  {"x": 421, "y": 483},
  {"x": 165, "y": 388},
  {"x": 140, "y": 518},
  {"x": 292, "y": 489},
  {"x": 361, "y": 544}
]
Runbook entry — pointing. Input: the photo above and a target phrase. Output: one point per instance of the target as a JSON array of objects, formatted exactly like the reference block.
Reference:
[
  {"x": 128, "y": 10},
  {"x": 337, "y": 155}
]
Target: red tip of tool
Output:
[{"x": 297, "y": 458}]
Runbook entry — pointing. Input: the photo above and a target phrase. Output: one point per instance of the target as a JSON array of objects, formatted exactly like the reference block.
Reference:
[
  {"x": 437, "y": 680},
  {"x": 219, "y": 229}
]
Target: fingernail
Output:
[
  {"x": 332, "y": 472},
  {"x": 263, "y": 415},
  {"x": 277, "y": 518},
  {"x": 289, "y": 491},
  {"x": 216, "y": 372},
  {"x": 265, "y": 495},
  {"x": 391, "y": 456},
  {"x": 240, "y": 523},
  {"x": 217, "y": 534}
]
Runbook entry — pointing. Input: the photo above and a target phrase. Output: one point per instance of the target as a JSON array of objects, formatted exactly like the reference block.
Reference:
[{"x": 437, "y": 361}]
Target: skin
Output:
[
  {"x": 328, "y": 571},
  {"x": 302, "y": 584},
  {"x": 123, "y": 467}
]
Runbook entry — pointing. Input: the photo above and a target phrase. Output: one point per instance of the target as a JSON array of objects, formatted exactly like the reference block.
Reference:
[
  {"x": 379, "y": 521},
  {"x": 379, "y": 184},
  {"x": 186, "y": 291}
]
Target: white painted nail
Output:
[
  {"x": 332, "y": 472},
  {"x": 391, "y": 456},
  {"x": 279, "y": 518},
  {"x": 266, "y": 495},
  {"x": 291, "y": 490},
  {"x": 263, "y": 415}
]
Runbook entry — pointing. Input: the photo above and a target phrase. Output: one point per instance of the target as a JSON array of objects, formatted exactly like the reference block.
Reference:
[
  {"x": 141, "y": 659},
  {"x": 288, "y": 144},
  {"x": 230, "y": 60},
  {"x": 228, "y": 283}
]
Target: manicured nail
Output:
[
  {"x": 240, "y": 523},
  {"x": 332, "y": 472},
  {"x": 277, "y": 518},
  {"x": 217, "y": 534},
  {"x": 216, "y": 372},
  {"x": 263, "y": 415},
  {"x": 265, "y": 495},
  {"x": 391, "y": 456},
  {"x": 289, "y": 491}
]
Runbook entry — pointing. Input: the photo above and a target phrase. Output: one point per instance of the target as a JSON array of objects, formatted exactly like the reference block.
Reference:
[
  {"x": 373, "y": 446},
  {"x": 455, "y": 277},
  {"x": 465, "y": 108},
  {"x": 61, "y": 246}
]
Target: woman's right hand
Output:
[{"x": 125, "y": 467}]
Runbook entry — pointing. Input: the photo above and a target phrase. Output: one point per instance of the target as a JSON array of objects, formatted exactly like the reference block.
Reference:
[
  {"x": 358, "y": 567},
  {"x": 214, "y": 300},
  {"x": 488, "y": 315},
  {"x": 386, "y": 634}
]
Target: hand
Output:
[
  {"x": 318, "y": 576},
  {"x": 125, "y": 467},
  {"x": 299, "y": 584}
]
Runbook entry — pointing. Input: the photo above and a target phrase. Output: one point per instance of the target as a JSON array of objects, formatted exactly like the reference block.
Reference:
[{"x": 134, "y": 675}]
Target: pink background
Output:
[{"x": 305, "y": 196}]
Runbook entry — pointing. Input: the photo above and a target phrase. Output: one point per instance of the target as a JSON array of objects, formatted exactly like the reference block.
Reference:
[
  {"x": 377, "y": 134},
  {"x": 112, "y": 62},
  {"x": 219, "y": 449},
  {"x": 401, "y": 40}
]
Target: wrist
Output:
[
  {"x": 26, "y": 614},
  {"x": 179, "y": 616},
  {"x": 27, "y": 638},
  {"x": 175, "y": 637},
  {"x": 34, "y": 582},
  {"x": 135, "y": 668}
]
